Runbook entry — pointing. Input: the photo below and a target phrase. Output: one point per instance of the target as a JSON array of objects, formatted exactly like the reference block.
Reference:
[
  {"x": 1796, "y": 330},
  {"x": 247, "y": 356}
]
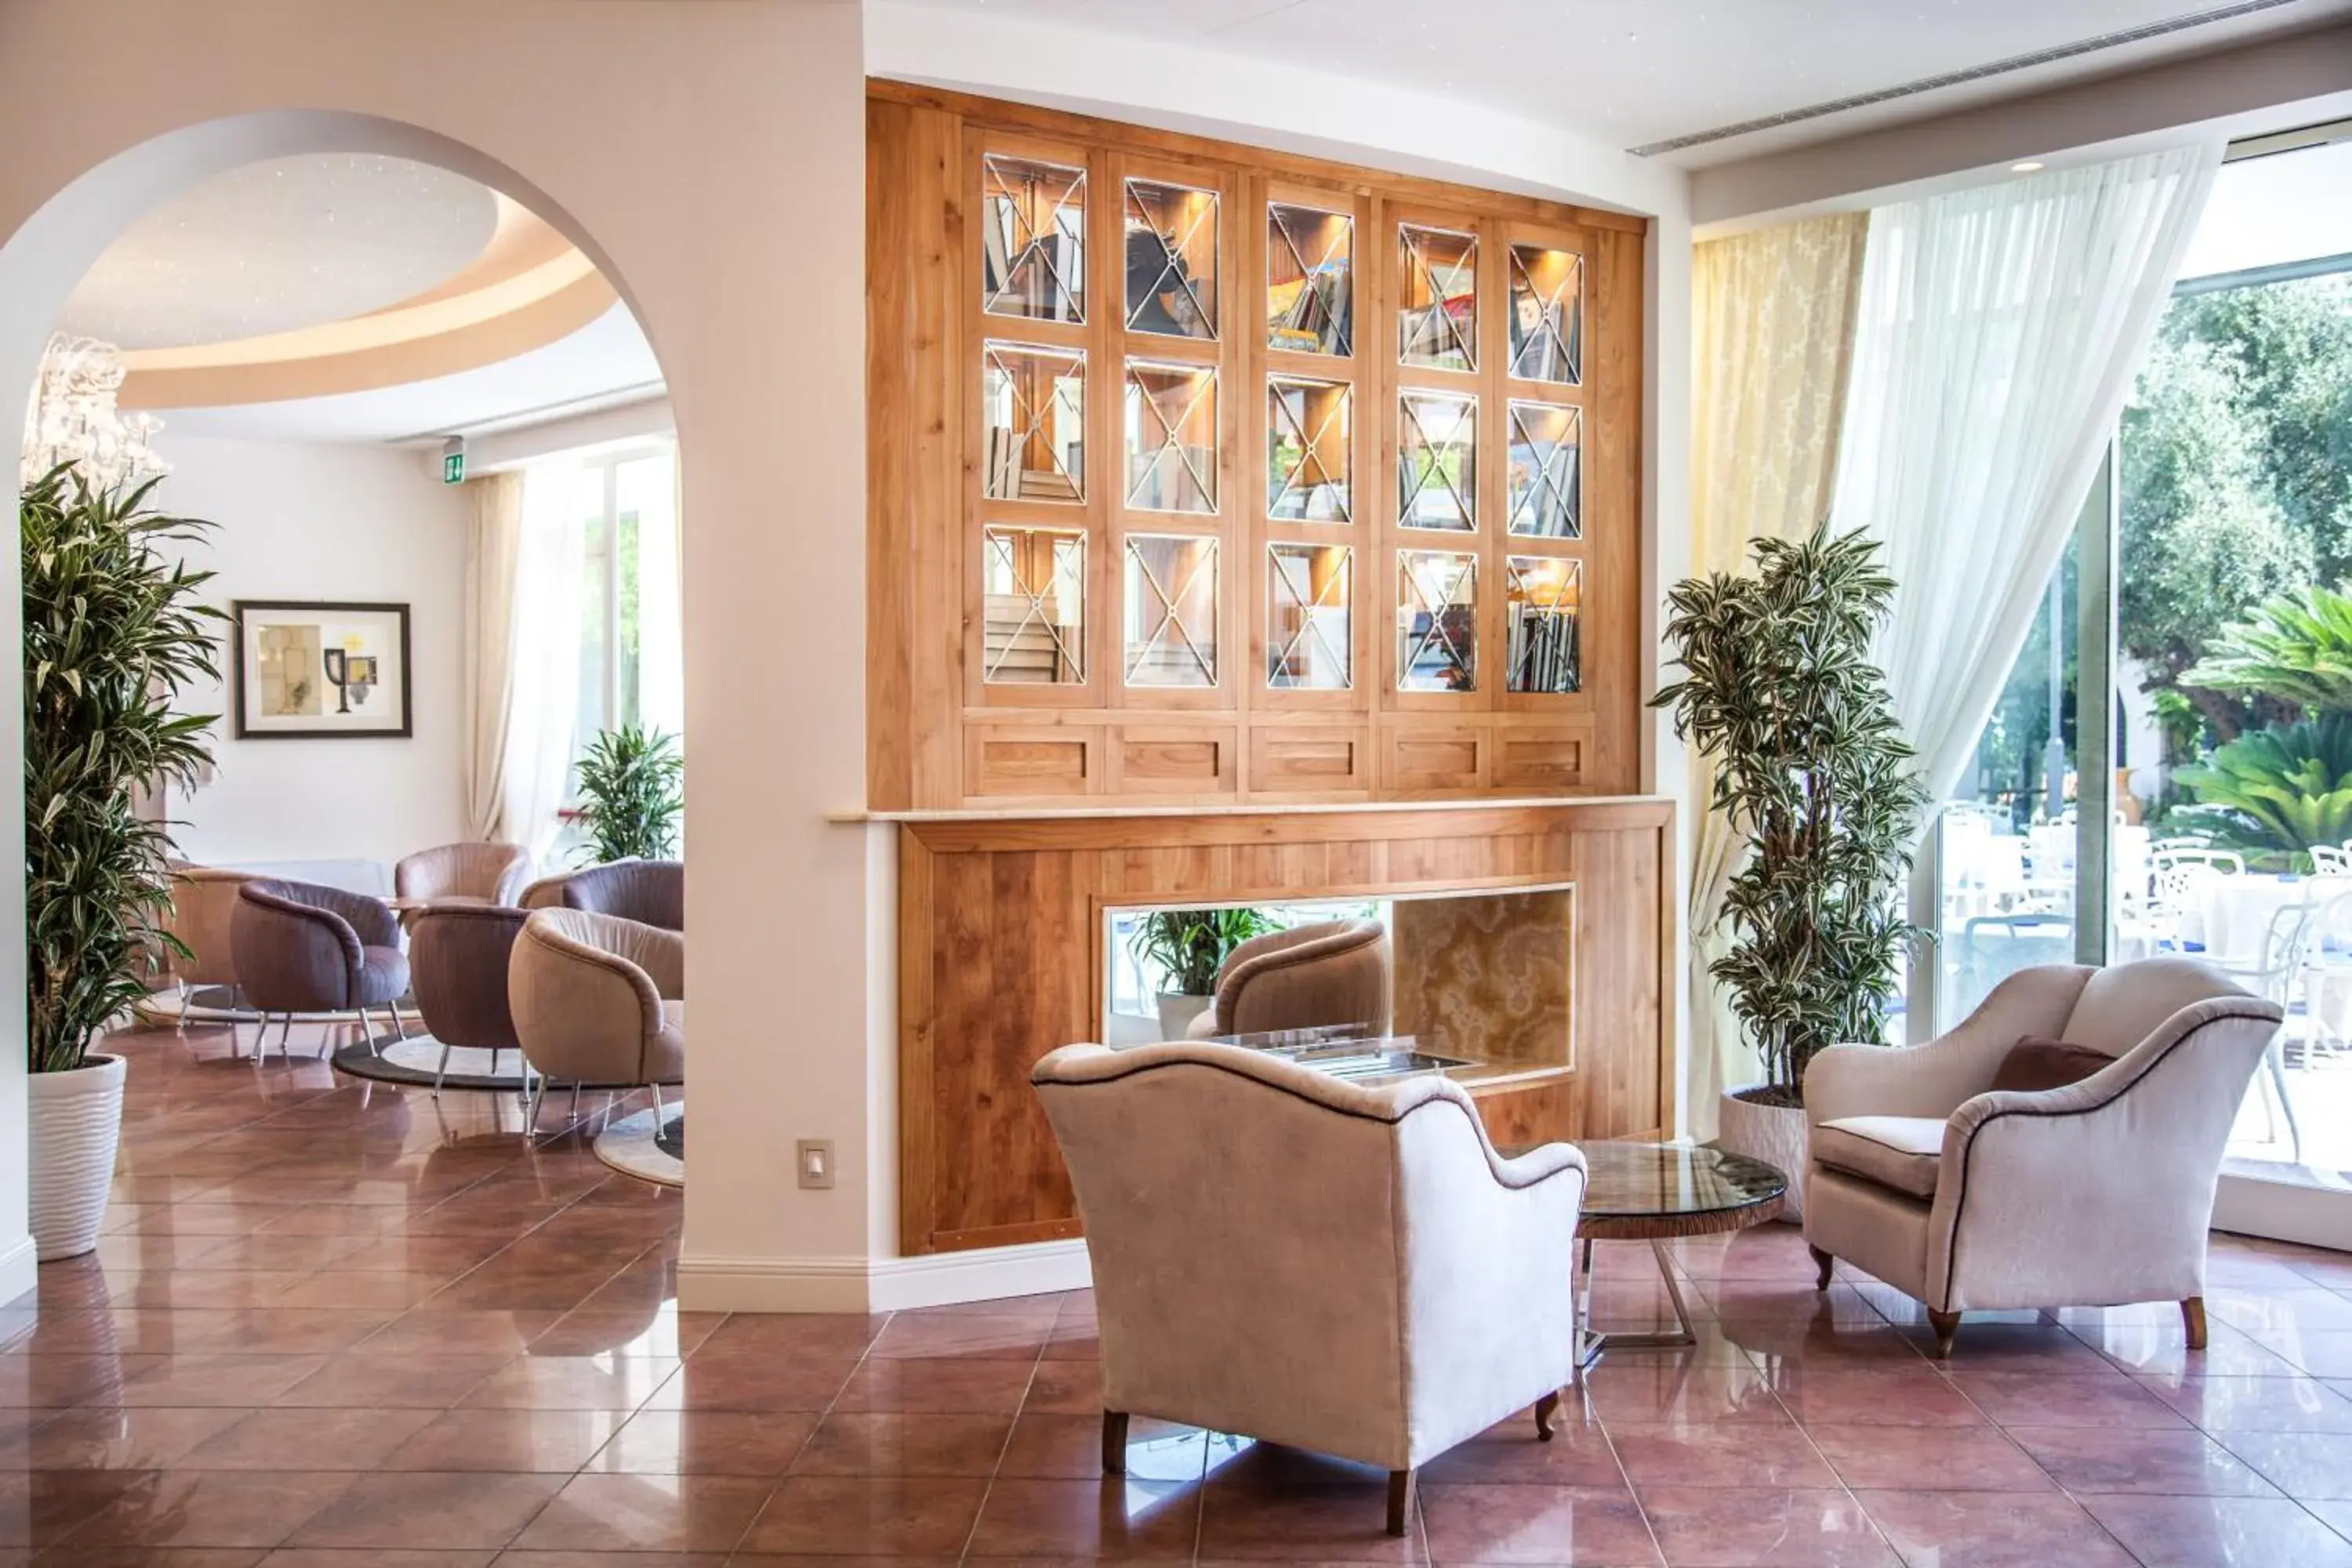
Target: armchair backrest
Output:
[
  {"x": 1333, "y": 971},
  {"x": 586, "y": 990},
  {"x": 492, "y": 871},
  {"x": 299, "y": 945},
  {"x": 2123, "y": 1003},
  {"x": 1249, "y": 1222},
  {"x": 652, "y": 892},
  {"x": 457, "y": 956}
]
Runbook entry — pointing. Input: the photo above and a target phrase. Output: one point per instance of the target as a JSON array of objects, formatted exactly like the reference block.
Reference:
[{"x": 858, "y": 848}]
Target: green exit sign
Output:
[{"x": 453, "y": 468}]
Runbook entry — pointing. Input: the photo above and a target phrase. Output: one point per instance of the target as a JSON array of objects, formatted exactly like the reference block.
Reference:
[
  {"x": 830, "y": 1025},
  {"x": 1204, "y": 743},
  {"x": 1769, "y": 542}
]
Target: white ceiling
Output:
[
  {"x": 1635, "y": 72},
  {"x": 605, "y": 364},
  {"x": 271, "y": 248}
]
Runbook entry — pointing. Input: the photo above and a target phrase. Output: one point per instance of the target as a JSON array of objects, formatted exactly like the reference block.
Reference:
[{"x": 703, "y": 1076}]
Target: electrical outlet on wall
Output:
[{"x": 813, "y": 1158}]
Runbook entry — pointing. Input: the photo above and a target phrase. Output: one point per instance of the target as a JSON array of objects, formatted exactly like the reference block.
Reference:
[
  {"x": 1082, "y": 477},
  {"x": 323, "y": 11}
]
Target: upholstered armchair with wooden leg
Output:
[
  {"x": 2058, "y": 1149},
  {"x": 1309, "y": 1261}
]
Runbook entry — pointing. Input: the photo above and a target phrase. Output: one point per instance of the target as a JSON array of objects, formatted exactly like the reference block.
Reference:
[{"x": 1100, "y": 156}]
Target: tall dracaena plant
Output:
[
  {"x": 1812, "y": 769},
  {"x": 114, "y": 631}
]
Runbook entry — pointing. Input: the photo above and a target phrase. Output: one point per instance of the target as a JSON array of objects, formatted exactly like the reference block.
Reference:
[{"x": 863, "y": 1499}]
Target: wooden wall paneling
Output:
[
  {"x": 1613, "y": 635},
  {"x": 890, "y": 380},
  {"x": 1542, "y": 1112},
  {"x": 1434, "y": 757},
  {"x": 1001, "y": 926}
]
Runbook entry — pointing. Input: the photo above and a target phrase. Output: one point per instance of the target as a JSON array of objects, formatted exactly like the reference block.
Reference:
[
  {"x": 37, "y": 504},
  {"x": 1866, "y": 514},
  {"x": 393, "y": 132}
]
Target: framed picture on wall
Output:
[{"x": 320, "y": 670}]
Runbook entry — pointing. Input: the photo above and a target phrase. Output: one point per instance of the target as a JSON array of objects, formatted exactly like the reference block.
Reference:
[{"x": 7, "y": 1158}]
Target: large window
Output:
[
  {"x": 630, "y": 635},
  {"x": 2215, "y": 820}
]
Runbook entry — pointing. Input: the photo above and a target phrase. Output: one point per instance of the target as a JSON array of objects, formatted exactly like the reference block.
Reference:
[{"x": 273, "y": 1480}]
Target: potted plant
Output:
[
  {"x": 631, "y": 787},
  {"x": 1188, "y": 947},
  {"x": 1811, "y": 768},
  {"x": 114, "y": 631}
]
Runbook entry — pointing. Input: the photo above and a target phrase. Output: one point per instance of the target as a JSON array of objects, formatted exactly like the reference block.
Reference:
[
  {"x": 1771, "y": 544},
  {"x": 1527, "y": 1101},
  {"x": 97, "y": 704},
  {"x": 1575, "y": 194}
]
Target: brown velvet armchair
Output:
[
  {"x": 458, "y": 954},
  {"x": 1334, "y": 972},
  {"x": 302, "y": 948}
]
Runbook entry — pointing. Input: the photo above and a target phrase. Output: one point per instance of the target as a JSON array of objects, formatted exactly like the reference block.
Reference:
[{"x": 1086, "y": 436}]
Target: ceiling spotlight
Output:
[{"x": 2030, "y": 165}]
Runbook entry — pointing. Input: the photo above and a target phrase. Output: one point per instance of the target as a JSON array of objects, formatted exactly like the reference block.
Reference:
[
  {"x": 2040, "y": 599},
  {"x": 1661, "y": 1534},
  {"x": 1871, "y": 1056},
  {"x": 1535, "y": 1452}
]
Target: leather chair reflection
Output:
[
  {"x": 458, "y": 954},
  {"x": 302, "y": 948},
  {"x": 476, "y": 873},
  {"x": 599, "y": 1000},
  {"x": 1333, "y": 971}
]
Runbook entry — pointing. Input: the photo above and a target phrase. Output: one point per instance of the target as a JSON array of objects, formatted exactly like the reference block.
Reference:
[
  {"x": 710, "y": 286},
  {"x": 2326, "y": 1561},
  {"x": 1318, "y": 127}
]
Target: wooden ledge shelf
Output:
[{"x": 1089, "y": 813}]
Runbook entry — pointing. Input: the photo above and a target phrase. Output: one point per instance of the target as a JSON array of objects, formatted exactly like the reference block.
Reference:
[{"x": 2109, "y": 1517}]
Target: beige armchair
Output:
[
  {"x": 598, "y": 1000},
  {"x": 1334, "y": 972},
  {"x": 474, "y": 873},
  {"x": 2093, "y": 1194},
  {"x": 1313, "y": 1262}
]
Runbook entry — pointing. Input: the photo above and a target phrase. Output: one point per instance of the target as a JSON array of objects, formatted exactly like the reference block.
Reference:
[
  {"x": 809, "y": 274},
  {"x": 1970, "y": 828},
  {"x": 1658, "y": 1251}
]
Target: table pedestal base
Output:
[{"x": 1590, "y": 1347}]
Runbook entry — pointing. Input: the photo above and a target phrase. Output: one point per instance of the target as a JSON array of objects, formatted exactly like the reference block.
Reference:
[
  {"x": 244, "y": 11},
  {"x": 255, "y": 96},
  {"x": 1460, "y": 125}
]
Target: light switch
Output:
[{"x": 815, "y": 1159}]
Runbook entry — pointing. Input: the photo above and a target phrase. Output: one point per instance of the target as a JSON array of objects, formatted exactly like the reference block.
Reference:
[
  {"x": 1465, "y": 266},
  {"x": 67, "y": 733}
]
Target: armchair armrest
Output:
[
  {"x": 1935, "y": 1079},
  {"x": 370, "y": 918}
]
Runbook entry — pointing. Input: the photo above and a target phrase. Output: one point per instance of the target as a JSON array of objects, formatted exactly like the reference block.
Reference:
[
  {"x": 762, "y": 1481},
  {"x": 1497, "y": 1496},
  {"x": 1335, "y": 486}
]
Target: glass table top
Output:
[{"x": 1652, "y": 1181}]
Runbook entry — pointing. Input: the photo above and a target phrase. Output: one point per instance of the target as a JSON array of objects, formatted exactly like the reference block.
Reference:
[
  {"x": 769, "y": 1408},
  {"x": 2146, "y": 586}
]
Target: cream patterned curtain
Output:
[
  {"x": 492, "y": 544},
  {"x": 1773, "y": 335}
]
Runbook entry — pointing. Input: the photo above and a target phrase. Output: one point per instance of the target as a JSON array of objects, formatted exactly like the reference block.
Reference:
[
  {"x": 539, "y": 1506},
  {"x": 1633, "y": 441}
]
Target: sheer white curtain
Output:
[
  {"x": 543, "y": 684},
  {"x": 661, "y": 637},
  {"x": 2001, "y": 329}
]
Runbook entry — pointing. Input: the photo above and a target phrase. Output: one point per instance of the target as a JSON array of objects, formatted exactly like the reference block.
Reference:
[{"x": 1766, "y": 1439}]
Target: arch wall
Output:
[{"x": 709, "y": 155}]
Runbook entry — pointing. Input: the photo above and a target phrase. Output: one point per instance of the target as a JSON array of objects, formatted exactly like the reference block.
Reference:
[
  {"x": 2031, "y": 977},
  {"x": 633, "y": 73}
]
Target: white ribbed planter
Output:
[
  {"x": 1772, "y": 1133},
  {"x": 1177, "y": 1012},
  {"x": 76, "y": 1124}
]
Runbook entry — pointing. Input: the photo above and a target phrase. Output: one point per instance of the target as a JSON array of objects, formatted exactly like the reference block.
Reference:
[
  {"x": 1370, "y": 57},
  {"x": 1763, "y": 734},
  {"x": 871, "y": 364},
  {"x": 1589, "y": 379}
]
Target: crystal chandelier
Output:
[{"x": 73, "y": 418}]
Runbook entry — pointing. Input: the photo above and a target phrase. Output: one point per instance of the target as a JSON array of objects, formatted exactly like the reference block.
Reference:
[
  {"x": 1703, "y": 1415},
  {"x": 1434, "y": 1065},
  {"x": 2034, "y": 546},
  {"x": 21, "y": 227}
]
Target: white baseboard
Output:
[
  {"x": 2307, "y": 1213},
  {"x": 879, "y": 1284},
  {"x": 20, "y": 1271}
]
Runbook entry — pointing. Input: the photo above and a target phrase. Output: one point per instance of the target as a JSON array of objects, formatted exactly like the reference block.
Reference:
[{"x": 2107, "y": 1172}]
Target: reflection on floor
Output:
[{"x": 332, "y": 1326}]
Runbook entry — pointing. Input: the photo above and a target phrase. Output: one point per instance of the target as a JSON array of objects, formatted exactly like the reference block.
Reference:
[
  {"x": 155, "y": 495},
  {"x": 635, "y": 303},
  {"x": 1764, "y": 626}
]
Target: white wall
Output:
[{"x": 302, "y": 521}]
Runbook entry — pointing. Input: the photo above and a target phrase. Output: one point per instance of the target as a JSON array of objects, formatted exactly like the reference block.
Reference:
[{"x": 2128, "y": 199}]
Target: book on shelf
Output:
[{"x": 1542, "y": 648}]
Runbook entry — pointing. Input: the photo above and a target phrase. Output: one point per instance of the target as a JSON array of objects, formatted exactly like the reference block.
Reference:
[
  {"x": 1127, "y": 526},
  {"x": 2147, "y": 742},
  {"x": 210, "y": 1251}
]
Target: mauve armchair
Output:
[
  {"x": 302, "y": 948},
  {"x": 1333, "y": 971},
  {"x": 598, "y": 1000},
  {"x": 1282, "y": 1254},
  {"x": 651, "y": 892},
  {"x": 458, "y": 954},
  {"x": 476, "y": 873},
  {"x": 2097, "y": 1194}
]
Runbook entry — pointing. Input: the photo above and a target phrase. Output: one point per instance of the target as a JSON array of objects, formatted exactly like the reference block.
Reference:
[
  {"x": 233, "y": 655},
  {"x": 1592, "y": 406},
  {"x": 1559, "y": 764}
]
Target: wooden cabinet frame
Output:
[{"x": 929, "y": 621}]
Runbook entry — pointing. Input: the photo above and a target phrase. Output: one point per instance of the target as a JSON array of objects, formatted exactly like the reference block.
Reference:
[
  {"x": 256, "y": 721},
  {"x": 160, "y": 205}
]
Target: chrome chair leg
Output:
[
  {"x": 657, "y": 1107},
  {"x": 399, "y": 1024},
  {"x": 444, "y": 1071}
]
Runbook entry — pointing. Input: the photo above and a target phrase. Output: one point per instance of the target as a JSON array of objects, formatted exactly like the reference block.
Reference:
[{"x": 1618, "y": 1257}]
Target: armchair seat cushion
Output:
[{"x": 1900, "y": 1152}]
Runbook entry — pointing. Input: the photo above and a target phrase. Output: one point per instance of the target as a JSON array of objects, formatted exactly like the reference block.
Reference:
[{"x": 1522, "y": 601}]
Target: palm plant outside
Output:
[
  {"x": 1810, "y": 767},
  {"x": 113, "y": 633},
  {"x": 632, "y": 789}
]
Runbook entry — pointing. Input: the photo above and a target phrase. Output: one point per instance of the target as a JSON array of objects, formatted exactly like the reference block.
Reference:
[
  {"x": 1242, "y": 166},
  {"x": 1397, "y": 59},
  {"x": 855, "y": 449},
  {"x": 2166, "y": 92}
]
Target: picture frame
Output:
[{"x": 321, "y": 671}]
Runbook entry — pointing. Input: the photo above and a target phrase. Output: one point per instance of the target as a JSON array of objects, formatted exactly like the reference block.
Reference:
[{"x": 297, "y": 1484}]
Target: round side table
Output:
[{"x": 1654, "y": 1193}]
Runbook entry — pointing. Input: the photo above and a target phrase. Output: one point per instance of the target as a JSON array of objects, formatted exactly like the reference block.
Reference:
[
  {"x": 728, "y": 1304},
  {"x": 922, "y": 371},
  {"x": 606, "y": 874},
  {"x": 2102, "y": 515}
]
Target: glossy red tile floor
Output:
[{"x": 338, "y": 1324}]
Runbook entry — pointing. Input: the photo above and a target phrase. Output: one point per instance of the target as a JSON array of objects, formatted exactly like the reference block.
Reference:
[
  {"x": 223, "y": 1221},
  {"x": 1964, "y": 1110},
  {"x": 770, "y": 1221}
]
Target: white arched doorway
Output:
[{"x": 707, "y": 206}]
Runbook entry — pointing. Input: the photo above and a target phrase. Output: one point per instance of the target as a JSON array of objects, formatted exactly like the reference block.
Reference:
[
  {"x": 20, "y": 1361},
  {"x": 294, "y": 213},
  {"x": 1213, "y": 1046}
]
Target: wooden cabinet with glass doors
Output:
[{"x": 1201, "y": 474}]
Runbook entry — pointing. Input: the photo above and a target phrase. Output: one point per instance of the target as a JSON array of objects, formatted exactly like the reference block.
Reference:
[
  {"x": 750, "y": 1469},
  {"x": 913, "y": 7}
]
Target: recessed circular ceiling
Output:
[{"x": 272, "y": 248}]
